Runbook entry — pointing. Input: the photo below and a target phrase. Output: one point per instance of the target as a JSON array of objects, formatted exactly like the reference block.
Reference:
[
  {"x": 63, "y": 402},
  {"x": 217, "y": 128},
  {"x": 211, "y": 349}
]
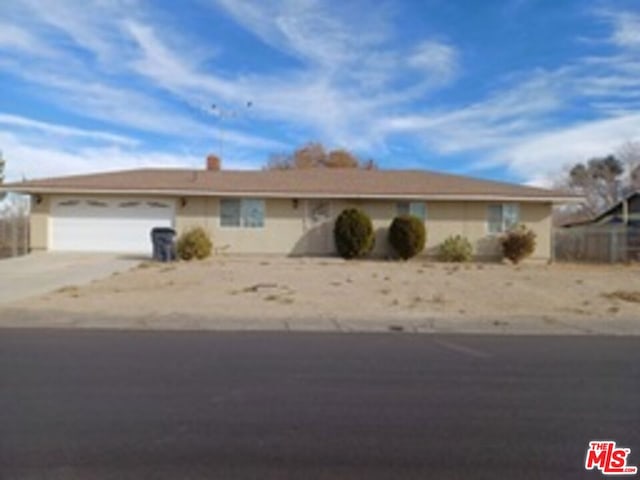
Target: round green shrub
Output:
[
  {"x": 194, "y": 244},
  {"x": 407, "y": 236},
  {"x": 519, "y": 243},
  {"x": 353, "y": 233},
  {"x": 455, "y": 248}
]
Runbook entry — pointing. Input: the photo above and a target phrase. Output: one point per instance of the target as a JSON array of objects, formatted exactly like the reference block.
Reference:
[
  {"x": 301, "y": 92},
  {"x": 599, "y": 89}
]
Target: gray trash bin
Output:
[{"x": 164, "y": 244}]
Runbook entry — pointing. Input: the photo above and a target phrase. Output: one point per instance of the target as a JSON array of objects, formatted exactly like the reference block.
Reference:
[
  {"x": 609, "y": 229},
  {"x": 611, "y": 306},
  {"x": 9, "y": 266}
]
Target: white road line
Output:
[{"x": 462, "y": 349}]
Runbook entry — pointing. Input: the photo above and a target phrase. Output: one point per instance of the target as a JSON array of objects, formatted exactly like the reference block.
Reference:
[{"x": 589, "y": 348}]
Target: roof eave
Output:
[{"x": 556, "y": 199}]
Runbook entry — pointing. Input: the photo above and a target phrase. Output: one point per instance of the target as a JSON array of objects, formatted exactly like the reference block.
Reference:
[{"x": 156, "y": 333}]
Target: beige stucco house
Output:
[{"x": 287, "y": 212}]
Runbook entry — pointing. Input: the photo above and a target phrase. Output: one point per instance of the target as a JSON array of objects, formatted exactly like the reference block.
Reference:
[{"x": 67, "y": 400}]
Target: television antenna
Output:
[{"x": 225, "y": 114}]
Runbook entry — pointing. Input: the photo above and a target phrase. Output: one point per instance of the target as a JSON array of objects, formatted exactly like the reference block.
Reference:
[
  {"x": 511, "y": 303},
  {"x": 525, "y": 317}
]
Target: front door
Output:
[{"x": 318, "y": 227}]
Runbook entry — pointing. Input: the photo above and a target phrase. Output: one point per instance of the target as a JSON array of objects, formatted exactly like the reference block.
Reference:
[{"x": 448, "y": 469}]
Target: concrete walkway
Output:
[{"x": 39, "y": 273}]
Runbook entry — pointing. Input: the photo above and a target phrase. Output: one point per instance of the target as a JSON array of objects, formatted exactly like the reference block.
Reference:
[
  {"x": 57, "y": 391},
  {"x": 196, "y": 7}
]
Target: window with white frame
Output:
[
  {"x": 417, "y": 209},
  {"x": 242, "y": 212},
  {"x": 502, "y": 217}
]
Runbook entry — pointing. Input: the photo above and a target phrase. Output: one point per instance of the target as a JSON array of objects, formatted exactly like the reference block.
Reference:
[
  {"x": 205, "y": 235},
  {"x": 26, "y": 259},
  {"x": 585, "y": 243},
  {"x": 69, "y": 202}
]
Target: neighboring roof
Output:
[
  {"x": 601, "y": 216},
  {"x": 574, "y": 219},
  {"x": 302, "y": 183}
]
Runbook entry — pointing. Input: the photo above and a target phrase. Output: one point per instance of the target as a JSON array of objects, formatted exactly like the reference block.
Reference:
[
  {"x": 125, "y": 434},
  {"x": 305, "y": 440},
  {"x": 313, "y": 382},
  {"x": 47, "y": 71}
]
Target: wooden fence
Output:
[
  {"x": 600, "y": 244},
  {"x": 14, "y": 227}
]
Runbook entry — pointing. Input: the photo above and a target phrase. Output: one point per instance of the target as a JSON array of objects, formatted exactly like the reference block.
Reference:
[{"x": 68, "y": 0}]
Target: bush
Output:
[
  {"x": 353, "y": 233},
  {"x": 407, "y": 236},
  {"x": 194, "y": 243},
  {"x": 455, "y": 249},
  {"x": 518, "y": 243}
]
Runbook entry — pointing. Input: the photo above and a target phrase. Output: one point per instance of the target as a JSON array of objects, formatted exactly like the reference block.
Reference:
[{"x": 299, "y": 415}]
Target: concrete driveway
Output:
[{"x": 39, "y": 273}]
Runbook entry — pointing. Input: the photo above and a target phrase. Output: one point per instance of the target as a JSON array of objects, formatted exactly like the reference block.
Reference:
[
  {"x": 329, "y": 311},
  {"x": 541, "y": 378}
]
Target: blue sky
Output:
[{"x": 512, "y": 90}]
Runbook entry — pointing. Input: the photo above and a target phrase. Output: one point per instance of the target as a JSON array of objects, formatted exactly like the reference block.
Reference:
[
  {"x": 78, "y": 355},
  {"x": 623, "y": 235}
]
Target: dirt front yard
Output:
[{"x": 303, "y": 293}]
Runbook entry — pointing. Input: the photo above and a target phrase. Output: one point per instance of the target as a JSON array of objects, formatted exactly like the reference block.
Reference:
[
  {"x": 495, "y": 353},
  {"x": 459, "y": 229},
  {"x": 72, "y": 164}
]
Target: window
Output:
[
  {"x": 502, "y": 217},
  {"x": 417, "y": 209},
  {"x": 230, "y": 213},
  {"x": 245, "y": 212}
]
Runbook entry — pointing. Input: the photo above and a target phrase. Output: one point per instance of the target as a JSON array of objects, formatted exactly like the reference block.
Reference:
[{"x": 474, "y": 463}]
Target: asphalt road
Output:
[{"x": 186, "y": 405}]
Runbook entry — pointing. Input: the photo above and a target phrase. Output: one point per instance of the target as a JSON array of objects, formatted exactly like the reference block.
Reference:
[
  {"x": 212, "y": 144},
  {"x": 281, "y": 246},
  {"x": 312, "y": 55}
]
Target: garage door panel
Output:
[{"x": 114, "y": 225}]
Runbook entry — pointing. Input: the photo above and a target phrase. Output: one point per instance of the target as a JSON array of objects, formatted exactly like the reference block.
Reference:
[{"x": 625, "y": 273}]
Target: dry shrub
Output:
[
  {"x": 518, "y": 244},
  {"x": 194, "y": 244},
  {"x": 456, "y": 249}
]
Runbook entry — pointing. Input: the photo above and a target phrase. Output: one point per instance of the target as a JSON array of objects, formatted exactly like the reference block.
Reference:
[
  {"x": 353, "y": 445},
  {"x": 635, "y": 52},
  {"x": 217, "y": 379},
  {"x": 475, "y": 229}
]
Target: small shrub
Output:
[
  {"x": 194, "y": 244},
  {"x": 519, "y": 243},
  {"x": 353, "y": 234},
  {"x": 456, "y": 249},
  {"x": 407, "y": 236}
]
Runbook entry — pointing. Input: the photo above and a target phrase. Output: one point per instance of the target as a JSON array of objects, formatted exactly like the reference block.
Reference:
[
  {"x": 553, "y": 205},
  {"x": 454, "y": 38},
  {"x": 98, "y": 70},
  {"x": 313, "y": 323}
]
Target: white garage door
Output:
[{"x": 107, "y": 225}]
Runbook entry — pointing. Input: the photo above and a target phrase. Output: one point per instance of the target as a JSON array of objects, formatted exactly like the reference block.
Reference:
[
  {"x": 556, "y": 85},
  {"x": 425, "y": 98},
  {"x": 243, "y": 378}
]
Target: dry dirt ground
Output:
[{"x": 331, "y": 294}]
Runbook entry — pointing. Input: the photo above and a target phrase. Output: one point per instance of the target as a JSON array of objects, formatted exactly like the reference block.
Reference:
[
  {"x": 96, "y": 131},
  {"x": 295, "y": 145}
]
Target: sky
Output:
[{"x": 513, "y": 90}]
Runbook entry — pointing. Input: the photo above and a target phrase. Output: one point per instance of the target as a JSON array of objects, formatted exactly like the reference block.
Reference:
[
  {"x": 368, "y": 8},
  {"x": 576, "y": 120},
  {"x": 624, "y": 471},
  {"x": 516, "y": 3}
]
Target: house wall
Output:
[
  {"x": 39, "y": 223},
  {"x": 537, "y": 216},
  {"x": 470, "y": 220},
  {"x": 282, "y": 232},
  {"x": 381, "y": 214},
  {"x": 288, "y": 230}
]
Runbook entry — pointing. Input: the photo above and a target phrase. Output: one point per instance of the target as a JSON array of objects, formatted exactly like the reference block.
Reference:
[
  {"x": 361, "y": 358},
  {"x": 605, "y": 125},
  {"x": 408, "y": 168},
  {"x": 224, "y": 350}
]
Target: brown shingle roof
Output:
[{"x": 342, "y": 183}]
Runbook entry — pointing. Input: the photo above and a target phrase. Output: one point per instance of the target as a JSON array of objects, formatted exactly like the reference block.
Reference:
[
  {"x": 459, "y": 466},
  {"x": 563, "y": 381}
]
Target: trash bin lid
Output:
[{"x": 162, "y": 232}]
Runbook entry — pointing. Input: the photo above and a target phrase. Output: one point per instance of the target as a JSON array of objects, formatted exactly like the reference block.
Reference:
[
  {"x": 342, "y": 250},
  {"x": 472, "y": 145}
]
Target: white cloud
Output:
[
  {"x": 436, "y": 59},
  {"x": 64, "y": 130},
  {"x": 350, "y": 83},
  {"x": 626, "y": 27},
  {"x": 348, "y": 75},
  {"x": 13, "y": 37},
  {"x": 35, "y": 157},
  {"x": 492, "y": 123},
  {"x": 348, "y": 44},
  {"x": 309, "y": 99},
  {"x": 520, "y": 127},
  {"x": 545, "y": 154},
  {"x": 124, "y": 107},
  {"x": 88, "y": 26},
  {"x": 323, "y": 34},
  {"x": 172, "y": 70},
  {"x": 338, "y": 95},
  {"x": 118, "y": 105}
]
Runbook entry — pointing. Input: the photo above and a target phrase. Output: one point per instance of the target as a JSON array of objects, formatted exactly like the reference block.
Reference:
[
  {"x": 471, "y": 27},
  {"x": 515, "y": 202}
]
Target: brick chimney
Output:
[{"x": 213, "y": 163}]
